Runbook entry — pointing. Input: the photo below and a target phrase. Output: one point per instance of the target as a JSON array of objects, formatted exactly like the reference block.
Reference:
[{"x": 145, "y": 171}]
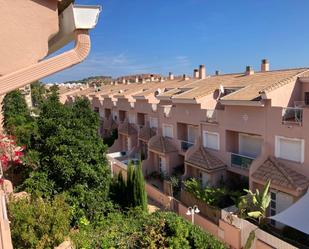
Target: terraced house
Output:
[{"x": 243, "y": 127}]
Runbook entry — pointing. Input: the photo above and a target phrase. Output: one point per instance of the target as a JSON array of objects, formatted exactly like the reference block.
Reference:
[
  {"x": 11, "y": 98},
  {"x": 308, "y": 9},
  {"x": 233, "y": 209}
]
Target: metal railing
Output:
[
  {"x": 185, "y": 145},
  {"x": 241, "y": 161},
  {"x": 292, "y": 115},
  {"x": 211, "y": 116}
]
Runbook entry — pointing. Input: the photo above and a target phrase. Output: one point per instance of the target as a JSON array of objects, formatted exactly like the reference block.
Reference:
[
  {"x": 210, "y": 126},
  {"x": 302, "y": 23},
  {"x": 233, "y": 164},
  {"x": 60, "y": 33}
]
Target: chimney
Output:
[
  {"x": 171, "y": 76},
  {"x": 151, "y": 78},
  {"x": 136, "y": 79},
  {"x": 249, "y": 70},
  {"x": 143, "y": 81},
  {"x": 123, "y": 80},
  {"x": 265, "y": 65},
  {"x": 202, "y": 72},
  {"x": 195, "y": 74},
  {"x": 185, "y": 77},
  {"x": 217, "y": 72}
]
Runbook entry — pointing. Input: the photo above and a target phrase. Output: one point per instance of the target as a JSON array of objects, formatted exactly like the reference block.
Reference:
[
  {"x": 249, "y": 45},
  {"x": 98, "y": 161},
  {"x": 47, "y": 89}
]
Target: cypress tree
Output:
[
  {"x": 121, "y": 190},
  {"x": 130, "y": 184},
  {"x": 139, "y": 193}
]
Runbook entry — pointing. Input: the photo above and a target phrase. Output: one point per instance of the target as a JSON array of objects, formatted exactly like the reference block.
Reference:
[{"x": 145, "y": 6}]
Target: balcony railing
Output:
[
  {"x": 241, "y": 161},
  {"x": 185, "y": 145},
  {"x": 211, "y": 116},
  {"x": 292, "y": 115}
]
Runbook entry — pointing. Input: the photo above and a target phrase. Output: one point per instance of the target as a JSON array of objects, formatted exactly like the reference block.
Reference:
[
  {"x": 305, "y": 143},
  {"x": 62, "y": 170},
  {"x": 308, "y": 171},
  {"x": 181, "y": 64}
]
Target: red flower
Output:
[{"x": 18, "y": 153}]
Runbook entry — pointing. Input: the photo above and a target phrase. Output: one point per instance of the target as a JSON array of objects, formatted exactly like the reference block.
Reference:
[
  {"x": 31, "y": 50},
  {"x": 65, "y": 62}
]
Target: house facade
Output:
[{"x": 243, "y": 128}]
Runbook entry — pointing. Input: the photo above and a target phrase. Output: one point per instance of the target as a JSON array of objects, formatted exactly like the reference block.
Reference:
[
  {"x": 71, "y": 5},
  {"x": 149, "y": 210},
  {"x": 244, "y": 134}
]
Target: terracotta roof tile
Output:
[
  {"x": 162, "y": 145},
  {"x": 205, "y": 160},
  {"x": 280, "y": 175},
  {"x": 127, "y": 129},
  {"x": 146, "y": 133}
]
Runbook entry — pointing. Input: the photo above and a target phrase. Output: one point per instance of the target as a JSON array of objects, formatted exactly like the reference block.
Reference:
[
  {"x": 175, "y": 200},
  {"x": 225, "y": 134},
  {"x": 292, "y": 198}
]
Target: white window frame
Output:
[
  {"x": 151, "y": 122},
  {"x": 132, "y": 118},
  {"x": 277, "y": 148},
  {"x": 196, "y": 134},
  {"x": 168, "y": 125},
  {"x": 205, "y": 142}
]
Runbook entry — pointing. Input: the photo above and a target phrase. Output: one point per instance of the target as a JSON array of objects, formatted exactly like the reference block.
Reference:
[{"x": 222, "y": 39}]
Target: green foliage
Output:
[
  {"x": 137, "y": 229},
  {"x": 38, "y": 92},
  {"x": 109, "y": 141},
  {"x": 131, "y": 193},
  {"x": 16, "y": 118},
  {"x": 139, "y": 193},
  {"x": 217, "y": 197},
  {"x": 254, "y": 205},
  {"x": 38, "y": 185},
  {"x": 38, "y": 223}
]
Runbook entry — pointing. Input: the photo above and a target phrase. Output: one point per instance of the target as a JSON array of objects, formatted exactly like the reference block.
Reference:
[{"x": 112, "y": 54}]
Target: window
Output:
[
  {"x": 153, "y": 122},
  {"x": 115, "y": 115},
  {"x": 192, "y": 133},
  {"x": 168, "y": 130},
  {"x": 132, "y": 118},
  {"x": 306, "y": 98},
  {"x": 290, "y": 149},
  {"x": 249, "y": 145},
  {"x": 162, "y": 165},
  {"x": 211, "y": 140}
]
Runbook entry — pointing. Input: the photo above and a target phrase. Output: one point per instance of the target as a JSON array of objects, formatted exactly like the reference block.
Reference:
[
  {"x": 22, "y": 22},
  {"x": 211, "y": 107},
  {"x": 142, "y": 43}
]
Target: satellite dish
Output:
[
  {"x": 222, "y": 89},
  {"x": 158, "y": 92}
]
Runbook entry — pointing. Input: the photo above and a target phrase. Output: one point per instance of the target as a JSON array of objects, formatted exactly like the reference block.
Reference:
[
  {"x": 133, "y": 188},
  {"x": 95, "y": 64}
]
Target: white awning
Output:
[{"x": 296, "y": 216}]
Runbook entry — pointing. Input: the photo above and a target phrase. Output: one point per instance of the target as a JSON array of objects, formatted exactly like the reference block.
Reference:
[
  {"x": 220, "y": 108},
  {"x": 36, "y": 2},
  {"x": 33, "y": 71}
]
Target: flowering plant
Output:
[{"x": 10, "y": 154}]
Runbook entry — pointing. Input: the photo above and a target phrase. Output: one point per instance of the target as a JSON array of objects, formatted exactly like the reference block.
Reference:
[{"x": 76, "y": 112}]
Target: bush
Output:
[
  {"x": 216, "y": 197},
  {"x": 39, "y": 223},
  {"x": 137, "y": 229}
]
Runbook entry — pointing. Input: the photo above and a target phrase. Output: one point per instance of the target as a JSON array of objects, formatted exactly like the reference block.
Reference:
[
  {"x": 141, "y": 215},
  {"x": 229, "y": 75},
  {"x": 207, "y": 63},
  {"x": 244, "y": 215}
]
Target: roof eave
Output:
[
  {"x": 242, "y": 102},
  {"x": 184, "y": 101}
]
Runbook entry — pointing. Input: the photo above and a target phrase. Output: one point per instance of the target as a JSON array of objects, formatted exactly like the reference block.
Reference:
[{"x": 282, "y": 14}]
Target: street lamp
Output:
[{"x": 191, "y": 211}]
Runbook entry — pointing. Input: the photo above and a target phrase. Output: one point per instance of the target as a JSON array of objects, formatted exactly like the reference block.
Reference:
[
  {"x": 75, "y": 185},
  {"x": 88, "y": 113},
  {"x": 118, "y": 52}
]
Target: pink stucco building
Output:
[{"x": 244, "y": 127}]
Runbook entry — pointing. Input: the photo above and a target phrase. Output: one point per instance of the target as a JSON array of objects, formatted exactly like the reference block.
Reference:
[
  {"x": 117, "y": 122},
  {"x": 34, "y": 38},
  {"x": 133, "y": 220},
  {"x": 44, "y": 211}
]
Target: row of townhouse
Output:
[{"x": 250, "y": 126}]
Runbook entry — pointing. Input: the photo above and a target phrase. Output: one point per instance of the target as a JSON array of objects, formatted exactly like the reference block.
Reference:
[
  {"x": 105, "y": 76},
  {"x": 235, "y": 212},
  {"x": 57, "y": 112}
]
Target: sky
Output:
[{"x": 159, "y": 36}]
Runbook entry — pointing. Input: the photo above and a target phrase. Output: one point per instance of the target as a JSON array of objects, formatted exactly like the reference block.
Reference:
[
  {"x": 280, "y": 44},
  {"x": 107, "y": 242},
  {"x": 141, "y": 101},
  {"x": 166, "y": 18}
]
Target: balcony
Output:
[
  {"x": 292, "y": 115},
  {"x": 185, "y": 145},
  {"x": 241, "y": 161},
  {"x": 211, "y": 116}
]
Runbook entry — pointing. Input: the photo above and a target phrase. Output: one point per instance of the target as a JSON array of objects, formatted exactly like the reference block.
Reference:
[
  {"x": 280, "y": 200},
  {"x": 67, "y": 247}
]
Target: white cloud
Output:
[{"x": 116, "y": 64}]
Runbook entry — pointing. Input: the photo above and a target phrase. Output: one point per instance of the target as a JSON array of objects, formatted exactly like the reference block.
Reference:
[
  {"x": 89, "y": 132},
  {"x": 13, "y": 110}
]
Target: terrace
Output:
[{"x": 292, "y": 116}]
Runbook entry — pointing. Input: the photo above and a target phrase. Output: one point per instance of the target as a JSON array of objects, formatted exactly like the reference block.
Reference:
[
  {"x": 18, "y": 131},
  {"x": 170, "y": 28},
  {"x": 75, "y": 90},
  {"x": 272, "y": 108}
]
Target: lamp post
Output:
[{"x": 191, "y": 211}]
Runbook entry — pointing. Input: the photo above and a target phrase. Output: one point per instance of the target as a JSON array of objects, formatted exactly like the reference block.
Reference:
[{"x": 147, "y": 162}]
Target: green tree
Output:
[
  {"x": 38, "y": 92},
  {"x": 72, "y": 155},
  {"x": 139, "y": 193},
  {"x": 17, "y": 120},
  {"x": 130, "y": 184}
]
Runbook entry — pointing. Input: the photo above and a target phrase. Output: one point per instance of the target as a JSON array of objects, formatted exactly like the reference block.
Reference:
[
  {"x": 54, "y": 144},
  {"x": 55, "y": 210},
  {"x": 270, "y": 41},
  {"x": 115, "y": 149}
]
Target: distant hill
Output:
[{"x": 98, "y": 80}]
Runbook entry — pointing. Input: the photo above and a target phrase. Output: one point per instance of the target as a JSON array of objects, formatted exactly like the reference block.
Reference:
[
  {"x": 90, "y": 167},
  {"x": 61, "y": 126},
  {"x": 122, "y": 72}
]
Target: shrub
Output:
[
  {"x": 39, "y": 223},
  {"x": 137, "y": 229}
]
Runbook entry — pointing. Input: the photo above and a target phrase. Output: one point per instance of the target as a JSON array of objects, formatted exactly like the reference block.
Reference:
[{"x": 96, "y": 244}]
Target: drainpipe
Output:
[
  {"x": 20, "y": 78},
  {"x": 75, "y": 23}
]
